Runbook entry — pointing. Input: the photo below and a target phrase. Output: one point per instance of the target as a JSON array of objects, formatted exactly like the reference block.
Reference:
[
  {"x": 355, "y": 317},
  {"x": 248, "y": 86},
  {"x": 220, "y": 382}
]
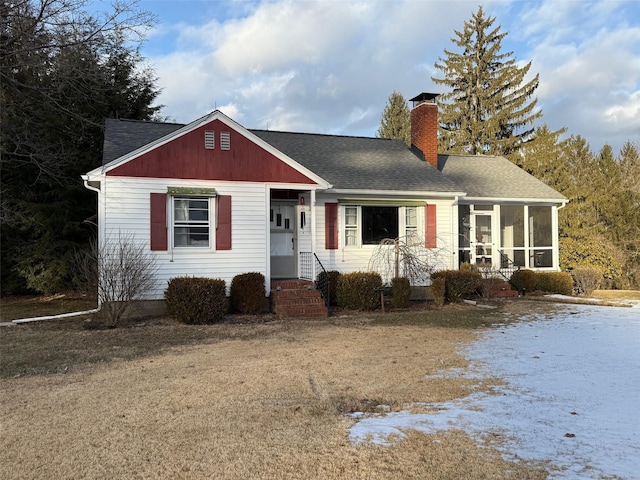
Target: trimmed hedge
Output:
[
  {"x": 400, "y": 292},
  {"x": 248, "y": 293},
  {"x": 555, "y": 282},
  {"x": 438, "y": 290},
  {"x": 327, "y": 283},
  {"x": 357, "y": 291},
  {"x": 196, "y": 300},
  {"x": 459, "y": 283},
  {"x": 524, "y": 280}
]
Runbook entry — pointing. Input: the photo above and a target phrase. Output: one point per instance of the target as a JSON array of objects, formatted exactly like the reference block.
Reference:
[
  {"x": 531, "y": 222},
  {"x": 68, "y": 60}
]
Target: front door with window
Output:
[
  {"x": 282, "y": 221},
  {"x": 482, "y": 241}
]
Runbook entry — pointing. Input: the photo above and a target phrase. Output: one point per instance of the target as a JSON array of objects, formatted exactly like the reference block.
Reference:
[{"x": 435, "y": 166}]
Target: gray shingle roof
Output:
[
  {"x": 493, "y": 177},
  {"x": 124, "y": 136},
  {"x": 361, "y": 163}
]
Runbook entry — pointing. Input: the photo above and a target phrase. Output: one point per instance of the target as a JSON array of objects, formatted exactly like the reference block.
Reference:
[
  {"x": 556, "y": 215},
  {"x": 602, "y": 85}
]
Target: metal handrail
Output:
[
  {"x": 325, "y": 290},
  {"x": 510, "y": 268}
]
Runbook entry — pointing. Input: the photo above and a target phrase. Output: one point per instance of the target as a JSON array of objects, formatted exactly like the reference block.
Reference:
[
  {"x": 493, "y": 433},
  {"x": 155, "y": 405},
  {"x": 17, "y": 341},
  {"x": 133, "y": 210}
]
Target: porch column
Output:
[
  {"x": 555, "y": 250},
  {"x": 312, "y": 202}
]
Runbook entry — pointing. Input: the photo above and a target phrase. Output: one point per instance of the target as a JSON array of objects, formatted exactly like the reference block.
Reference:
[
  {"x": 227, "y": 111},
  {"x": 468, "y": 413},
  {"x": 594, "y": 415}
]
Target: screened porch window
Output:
[
  {"x": 527, "y": 243},
  {"x": 512, "y": 234},
  {"x": 540, "y": 237}
]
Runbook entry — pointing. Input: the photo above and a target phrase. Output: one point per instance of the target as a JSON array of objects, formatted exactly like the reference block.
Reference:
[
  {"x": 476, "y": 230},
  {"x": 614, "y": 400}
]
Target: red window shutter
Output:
[
  {"x": 159, "y": 221},
  {"x": 223, "y": 228},
  {"x": 331, "y": 226},
  {"x": 430, "y": 233}
]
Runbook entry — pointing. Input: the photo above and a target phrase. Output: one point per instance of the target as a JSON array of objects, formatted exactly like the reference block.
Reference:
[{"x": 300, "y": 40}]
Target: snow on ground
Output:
[{"x": 572, "y": 393}]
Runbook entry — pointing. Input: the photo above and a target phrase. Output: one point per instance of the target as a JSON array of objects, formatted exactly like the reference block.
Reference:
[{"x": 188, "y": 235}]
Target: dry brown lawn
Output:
[{"x": 270, "y": 404}]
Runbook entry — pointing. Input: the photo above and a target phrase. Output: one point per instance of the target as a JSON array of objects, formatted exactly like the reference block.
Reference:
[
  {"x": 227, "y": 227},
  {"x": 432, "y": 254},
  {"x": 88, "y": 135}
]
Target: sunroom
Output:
[{"x": 508, "y": 235}]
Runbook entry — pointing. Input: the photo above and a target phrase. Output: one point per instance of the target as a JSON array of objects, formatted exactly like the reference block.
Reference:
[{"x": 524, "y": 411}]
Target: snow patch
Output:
[{"x": 571, "y": 394}]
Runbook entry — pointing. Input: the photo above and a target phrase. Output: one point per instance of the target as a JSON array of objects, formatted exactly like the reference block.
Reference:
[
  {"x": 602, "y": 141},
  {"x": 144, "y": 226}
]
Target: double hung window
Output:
[
  {"x": 411, "y": 225},
  {"x": 192, "y": 222}
]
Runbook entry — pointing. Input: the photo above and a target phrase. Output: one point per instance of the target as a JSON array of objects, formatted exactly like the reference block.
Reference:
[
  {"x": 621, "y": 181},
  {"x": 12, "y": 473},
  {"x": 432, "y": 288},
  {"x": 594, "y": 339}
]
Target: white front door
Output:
[
  {"x": 282, "y": 221},
  {"x": 482, "y": 239}
]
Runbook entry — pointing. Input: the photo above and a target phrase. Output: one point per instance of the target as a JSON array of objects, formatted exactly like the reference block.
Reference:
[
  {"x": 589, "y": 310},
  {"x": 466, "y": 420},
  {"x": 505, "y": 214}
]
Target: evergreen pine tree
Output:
[
  {"x": 62, "y": 73},
  {"x": 395, "y": 121},
  {"x": 489, "y": 108},
  {"x": 546, "y": 158}
]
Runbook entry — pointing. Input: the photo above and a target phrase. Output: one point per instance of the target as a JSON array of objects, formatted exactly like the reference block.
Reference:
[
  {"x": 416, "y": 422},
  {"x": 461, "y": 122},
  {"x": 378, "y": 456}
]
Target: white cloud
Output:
[
  {"x": 625, "y": 114},
  {"x": 329, "y": 67}
]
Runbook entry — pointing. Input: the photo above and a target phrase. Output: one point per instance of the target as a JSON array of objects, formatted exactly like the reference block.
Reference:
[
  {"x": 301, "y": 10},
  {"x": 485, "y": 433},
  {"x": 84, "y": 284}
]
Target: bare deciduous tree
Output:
[
  {"x": 121, "y": 271},
  {"x": 405, "y": 257}
]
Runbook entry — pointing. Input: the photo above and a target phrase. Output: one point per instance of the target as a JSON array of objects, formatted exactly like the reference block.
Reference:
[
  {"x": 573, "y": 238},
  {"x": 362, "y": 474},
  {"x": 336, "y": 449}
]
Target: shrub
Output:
[
  {"x": 327, "y": 283},
  {"x": 555, "y": 282},
  {"x": 438, "y": 291},
  {"x": 595, "y": 251},
  {"x": 357, "y": 291},
  {"x": 491, "y": 286},
  {"x": 248, "y": 293},
  {"x": 400, "y": 292},
  {"x": 196, "y": 300},
  {"x": 467, "y": 267},
  {"x": 459, "y": 283},
  {"x": 586, "y": 279},
  {"x": 524, "y": 280}
]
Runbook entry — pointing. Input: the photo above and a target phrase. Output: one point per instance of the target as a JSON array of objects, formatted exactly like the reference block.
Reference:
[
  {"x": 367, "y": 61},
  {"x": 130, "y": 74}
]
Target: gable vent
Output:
[
  {"x": 209, "y": 139},
  {"x": 225, "y": 141}
]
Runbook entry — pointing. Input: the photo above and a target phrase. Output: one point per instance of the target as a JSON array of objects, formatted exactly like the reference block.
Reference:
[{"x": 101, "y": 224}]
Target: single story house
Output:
[{"x": 215, "y": 199}]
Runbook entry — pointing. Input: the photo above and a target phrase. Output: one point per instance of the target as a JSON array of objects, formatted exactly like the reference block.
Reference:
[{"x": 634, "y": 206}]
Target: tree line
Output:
[
  {"x": 490, "y": 109},
  {"x": 63, "y": 71}
]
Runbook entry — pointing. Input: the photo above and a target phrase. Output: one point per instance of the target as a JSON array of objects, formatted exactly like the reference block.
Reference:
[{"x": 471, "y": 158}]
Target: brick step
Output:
[
  {"x": 291, "y": 284},
  {"x": 299, "y": 301},
  {"x": 503, "y": 290},
  {"x": 282, "y": 294},
  {"x": 301, "y": 311},
  {"x": 297, "y": 298}
]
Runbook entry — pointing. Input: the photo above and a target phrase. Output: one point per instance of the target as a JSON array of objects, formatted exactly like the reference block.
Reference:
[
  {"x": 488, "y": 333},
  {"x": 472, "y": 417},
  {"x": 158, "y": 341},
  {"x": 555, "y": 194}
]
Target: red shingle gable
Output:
[{"x": 185, "y": 157}]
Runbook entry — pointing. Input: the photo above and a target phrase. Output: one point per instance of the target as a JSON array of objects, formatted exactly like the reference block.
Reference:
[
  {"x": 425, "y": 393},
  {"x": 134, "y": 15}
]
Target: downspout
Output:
[
  {"x": 85, "y": 179},
  {"x": 56, "y": 317}
]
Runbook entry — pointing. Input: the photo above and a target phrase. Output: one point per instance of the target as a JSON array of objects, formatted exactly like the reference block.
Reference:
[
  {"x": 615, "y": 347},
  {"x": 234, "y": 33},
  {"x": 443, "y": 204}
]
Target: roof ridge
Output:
[
  {"x": 319, "y": 134},
  {"x": 469, "y": 155},
  {"x": 133, "y": 120}
]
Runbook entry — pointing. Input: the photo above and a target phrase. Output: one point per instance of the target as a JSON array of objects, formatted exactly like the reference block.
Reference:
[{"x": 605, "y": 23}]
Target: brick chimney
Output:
[{"x": 424, "y": 126}]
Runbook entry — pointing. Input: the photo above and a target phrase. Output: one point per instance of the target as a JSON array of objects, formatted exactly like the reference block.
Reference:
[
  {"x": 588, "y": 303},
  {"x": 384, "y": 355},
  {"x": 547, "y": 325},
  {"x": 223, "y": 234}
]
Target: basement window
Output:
[
  {"x": 209, "y": 139},
  {"x": 225, "y": 141}
]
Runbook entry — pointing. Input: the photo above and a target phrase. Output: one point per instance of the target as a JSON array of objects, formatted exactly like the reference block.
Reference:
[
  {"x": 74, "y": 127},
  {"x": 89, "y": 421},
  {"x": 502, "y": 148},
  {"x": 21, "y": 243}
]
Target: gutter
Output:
[{"x": 398, "y": 193}]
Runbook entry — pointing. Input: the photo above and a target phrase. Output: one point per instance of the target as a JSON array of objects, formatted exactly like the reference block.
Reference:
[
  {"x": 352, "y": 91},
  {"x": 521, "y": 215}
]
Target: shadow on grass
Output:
[{"x": 71, "y": 344}]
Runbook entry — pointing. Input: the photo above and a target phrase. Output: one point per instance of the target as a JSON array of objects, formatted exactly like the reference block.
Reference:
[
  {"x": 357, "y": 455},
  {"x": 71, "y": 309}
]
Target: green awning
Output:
[
  {"x": 208, "y": 192},
  {"x": 388, "y": 203}
]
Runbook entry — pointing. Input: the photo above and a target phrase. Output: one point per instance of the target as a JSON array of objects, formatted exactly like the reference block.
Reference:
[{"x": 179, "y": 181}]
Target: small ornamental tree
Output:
[{"x": 121, "y": 271}]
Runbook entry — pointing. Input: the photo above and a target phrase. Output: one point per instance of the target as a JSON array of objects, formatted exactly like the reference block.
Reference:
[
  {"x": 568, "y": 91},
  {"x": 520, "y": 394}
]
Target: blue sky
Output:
[{"x": 330, "y": 66}]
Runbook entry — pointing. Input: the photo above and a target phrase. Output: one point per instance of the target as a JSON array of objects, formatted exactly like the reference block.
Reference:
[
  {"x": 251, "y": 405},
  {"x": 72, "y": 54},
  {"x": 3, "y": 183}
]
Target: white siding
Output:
[
  {"x": 126, "y": 210},
  {"x": 353, "y": 259}
]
